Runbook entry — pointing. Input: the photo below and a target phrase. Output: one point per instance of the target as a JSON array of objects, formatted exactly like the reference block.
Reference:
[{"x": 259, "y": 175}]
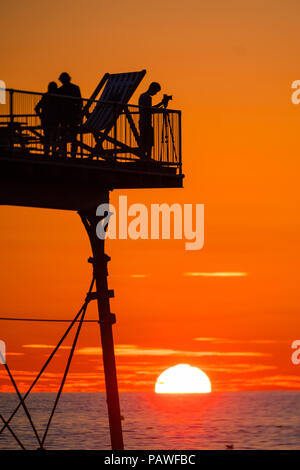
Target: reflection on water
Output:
[{"x": 249, "y": 420}]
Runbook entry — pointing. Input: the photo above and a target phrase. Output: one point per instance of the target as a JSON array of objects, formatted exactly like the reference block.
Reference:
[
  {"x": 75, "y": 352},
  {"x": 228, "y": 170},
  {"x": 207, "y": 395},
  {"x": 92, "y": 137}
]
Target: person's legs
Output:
[
  {"x": 53, "y": 139},
  {"x": 142, "y": 140},
  {"x": 150, "y": 141},
  {"x": 74, "y": 144},
  {"x": 147, "y": 140},
  {"x": 46, "y": 140},
  {"x": 63, "y": 138}
]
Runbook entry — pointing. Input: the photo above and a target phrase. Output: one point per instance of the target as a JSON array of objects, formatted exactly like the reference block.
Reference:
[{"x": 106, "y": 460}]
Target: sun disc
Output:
[{"x": 183, "y": 378}]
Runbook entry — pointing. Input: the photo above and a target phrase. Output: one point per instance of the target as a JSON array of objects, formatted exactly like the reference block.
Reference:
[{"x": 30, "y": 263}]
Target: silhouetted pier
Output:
[
  {"x": 29, "y": 178},
  {"x": 109, "y": 156}
]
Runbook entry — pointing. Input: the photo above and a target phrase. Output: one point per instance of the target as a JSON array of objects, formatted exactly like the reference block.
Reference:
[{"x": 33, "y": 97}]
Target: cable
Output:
[
  {"x": 23, "y": 404},
  {"x": 46, "y": 320},
  {"x": 51, "y": 355},
  {"x": 13, "y": 434},
  {"x": 64, "y": 376}
]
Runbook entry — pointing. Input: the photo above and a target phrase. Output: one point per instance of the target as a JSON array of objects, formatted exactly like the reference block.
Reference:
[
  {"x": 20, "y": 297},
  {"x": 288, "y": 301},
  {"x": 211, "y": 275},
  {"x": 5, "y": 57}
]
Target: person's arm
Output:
[
  {"x": 39, "y": 107},
  {"x": 163, "y": 102},
  {"x": 79, "y": 102}
]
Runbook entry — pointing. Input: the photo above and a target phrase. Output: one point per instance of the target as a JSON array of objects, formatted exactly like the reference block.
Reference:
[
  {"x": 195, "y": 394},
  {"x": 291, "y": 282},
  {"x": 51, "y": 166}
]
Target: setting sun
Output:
[{"x": 183, "y": 378}]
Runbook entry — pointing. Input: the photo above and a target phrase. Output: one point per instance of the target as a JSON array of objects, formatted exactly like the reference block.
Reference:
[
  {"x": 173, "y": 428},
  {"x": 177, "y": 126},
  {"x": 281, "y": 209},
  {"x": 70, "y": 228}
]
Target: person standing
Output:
[
  {"x": 145, "y": 121},
  {"x": 70, "y": 113},
  {"x": 48, "y": 111}
]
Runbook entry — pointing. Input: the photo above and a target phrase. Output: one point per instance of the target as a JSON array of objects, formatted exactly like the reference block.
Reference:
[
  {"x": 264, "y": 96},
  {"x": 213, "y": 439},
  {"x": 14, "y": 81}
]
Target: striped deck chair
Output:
[{"x": 99, "y": 119}]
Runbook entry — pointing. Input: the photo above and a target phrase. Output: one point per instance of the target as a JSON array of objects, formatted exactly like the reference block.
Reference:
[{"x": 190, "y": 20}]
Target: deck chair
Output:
[{"x": 99, "y": 119}]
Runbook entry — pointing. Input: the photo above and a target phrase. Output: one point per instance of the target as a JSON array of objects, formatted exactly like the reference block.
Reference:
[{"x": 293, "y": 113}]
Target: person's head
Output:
[
  {"x": 154, "y": 88},
  {"x": 52, "y": 87},
  {"x": 64, "y": 78}
]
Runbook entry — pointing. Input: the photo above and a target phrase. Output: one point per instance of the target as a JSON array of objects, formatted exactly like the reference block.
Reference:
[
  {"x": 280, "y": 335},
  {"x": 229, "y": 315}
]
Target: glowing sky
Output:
[{"x": 229, "y": 66}]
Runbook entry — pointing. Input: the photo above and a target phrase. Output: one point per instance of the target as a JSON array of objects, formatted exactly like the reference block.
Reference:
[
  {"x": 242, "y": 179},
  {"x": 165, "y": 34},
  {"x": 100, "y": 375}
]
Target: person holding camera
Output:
[{"x": 145, "y": 122}]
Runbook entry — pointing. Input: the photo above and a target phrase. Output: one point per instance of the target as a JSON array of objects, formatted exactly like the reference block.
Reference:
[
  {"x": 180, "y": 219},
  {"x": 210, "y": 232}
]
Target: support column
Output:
[{"x": 107, "y": 319}]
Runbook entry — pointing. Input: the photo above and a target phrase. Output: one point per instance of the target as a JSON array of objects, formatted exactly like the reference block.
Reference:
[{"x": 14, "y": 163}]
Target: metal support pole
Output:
[
  {"x": 11, "y": 106},
  {"x": 107, "y": 319},
  {"x": 11, "y": 119},
  {"x": 180, "y": 143}
]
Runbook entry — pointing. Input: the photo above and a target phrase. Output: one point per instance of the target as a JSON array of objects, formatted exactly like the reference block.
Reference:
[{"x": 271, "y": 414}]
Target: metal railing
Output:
[{"x": 21, "y": 131}]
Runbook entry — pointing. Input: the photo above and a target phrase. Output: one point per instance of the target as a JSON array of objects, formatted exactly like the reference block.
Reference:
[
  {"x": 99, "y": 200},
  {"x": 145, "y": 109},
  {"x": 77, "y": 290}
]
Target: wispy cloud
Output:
[
  {"x": 216, "y": 274},
  {"x": 235, "y": 341},
  {"x": 78, "y": 381},
  {"x": 133, "y": 350},
  {"x": 43, "y": 346},
  {"x": 240, "y": 368},
  {"x": 283, "y": 380},
  {"x": 273, "y": 381},
  {"x": 14, "y": 354}
]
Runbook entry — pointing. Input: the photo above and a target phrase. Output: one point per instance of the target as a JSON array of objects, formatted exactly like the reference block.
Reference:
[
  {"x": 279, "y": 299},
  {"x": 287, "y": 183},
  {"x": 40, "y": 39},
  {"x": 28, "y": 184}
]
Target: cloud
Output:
[
  {"x": 14, "y": 354},
  {"x": 216, "y": 274},
  {"x": 77, "y": 381},
  {"x": 43, "y": 346},
  {"x": 282, "y": 379},
  {"x": 234, "y": 341},
  {"x": 133, "y": 350},
  {"x": 240, "y": 368},
  {"x": 277, "y": 381}
]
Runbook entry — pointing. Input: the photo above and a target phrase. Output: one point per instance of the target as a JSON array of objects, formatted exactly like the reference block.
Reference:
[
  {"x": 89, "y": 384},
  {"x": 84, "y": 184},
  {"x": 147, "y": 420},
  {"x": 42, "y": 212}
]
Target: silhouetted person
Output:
[
  {"x": 70, "y": 113},
  {"x": 48, "y": 110},
  {"x": 145, "y": 122}
]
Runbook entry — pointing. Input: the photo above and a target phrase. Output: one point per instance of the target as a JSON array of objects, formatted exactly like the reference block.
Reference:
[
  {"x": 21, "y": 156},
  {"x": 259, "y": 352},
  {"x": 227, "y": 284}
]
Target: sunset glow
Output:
[
  {"x": 183, "y": 379},
  {"x": 229, "y": 67},
  {"x": 218, "y": 274}
]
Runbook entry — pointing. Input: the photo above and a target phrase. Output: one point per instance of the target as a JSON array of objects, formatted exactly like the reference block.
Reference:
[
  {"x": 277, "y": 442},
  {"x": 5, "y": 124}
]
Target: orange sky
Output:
[{"x": 229, "y": 66}]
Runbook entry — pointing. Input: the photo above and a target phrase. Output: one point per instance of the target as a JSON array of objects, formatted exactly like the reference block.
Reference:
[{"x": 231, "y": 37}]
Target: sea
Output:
[{"x": 238, "y": 420}]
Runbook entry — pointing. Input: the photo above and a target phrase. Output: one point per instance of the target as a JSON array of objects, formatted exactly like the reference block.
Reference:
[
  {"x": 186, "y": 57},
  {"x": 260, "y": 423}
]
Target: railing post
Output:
[
  {"x": 115, "y": 128},
  {"x": 11, "y": 106},
  {"x": 167, "y": 130},
  {"x": 11, "y": 119},
  {"x": 180, "y": 142}
]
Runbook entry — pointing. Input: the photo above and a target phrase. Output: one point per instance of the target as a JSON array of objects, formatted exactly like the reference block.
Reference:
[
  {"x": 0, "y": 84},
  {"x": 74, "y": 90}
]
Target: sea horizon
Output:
[
  {"x": 245, "y": 420},
  {"x": 153, "y": 391}
]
